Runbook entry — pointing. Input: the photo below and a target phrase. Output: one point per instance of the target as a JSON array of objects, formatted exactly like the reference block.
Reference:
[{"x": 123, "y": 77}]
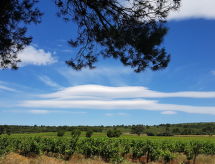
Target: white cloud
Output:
[
  {"x": 106, "y": 92},
  {"x": 51, "y": 111},
  {"x": 115, "y": 114},
  {"x": 34, "y": 111},
  {"x": 118, "y": 98},
  {"x": 39, "y": 111},
  {"x": 33, "y": 56},
  {"x": 111, "y": 75},
  {"x": 168, "y": 112},
  {"x": 136, "y": 104},
  {"x": 46, "y": 80},
  {"x": 195, "y": 9},
  {"x": 189, "y": 9},
  {"x": 42, "y": 111},
  {"x": 109, "y": 114},
  {"x": 5, "y": 88}
]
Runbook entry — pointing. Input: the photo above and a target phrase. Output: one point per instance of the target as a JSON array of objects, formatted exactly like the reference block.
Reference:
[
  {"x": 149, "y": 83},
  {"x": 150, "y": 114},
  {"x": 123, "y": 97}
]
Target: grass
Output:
[
  {"x": 14, "y": 158},
  {"x": 53, "y": 134},
  {"x": 125, "y": 135}
]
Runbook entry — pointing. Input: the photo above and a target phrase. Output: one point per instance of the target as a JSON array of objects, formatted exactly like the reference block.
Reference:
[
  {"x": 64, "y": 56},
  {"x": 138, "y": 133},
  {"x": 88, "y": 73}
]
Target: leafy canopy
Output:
[
  {"x": 130, "y": 30},
  {"x": 14, "y": 15}
]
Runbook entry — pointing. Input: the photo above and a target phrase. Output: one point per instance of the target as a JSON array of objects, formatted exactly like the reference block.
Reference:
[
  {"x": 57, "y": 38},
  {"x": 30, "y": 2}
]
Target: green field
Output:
[
  {"x": 124, "y": 135},
  {"x": 109, "y": 149}
]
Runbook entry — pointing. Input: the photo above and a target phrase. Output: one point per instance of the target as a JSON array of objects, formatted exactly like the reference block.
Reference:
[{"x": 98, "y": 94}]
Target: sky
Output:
[{"x": 45, "y": 91}]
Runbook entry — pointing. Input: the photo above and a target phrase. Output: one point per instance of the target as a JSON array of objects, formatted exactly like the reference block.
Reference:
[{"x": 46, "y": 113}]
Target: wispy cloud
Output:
[
  {"x": 106, "y": 92},
  {"x": 5, "y": 88},
  {"x": 39, "y": 111},
  {"x": 213, "y": 73},
  {"x": 118, "y": 98},
  {"x": 140, "y": 104},
  {"x": 51, "y": 111},
  {"x": 42, "y": 111},
  {"x": 168, "y": 112},
  {"x": 116, "y": 75},
  {"x": 115, "y": 114},
  {"x": 34, "y": 56},
  {"x": 194, "y": 9},
  {"x": 46, "y": 80},
  {"x": 34, "y": 111}
]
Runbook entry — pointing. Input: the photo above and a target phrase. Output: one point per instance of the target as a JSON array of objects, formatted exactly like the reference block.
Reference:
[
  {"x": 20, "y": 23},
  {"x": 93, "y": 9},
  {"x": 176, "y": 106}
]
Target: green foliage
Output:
[
  {"x": 165, "y": 134},
  {"x": 60, "y": 133},
  {"x": 1, "y": 130},
  {"x": 138, "y": 129},
  {"x": 14, "y": 16},
  {"x": 150, "y": 134},
  {"x": 162, "y": 129},
  {"x": 114, "y": 133},
  {"x": 89, "y": 133},
  {"x": 8, "y": 132},
  {"x": 110, "y": 149},
  {"x": 111, "y": 25},
  {"x": 75, "y": 133},
  {"x": 29, "y": 146},
  {"x": 167, "y": 156},
  {"x": 104, "y": 23}
]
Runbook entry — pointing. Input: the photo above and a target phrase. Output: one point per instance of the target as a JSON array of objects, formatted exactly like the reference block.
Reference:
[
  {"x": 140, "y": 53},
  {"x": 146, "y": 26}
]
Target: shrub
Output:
[
  {"x": 138, "y": 129},
  {"x": 60, "y": 133},
  {"x": 150, "y": 134},
  {"x": 114, "y": 133},
  {"x": 89, "y": 133},
  {"x": 75, "y": 133}
]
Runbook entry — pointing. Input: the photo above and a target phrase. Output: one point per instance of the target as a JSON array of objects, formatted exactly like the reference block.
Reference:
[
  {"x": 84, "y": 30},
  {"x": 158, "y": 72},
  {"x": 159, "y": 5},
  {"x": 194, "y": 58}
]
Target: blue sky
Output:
[{"x": 45, "y": 91}]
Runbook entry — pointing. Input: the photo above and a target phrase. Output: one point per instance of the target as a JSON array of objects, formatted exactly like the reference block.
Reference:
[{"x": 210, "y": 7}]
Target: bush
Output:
[
  {"x": 114, "y": 133},
  {"x": 150, "y": 134},
  {"x": 164, "y": 134},
  {"x": 60, "y": 133},
  {"x": 137, "y": 129},
  {"x": 89, "y": 133},
  {"x": 75, "y": 133}
]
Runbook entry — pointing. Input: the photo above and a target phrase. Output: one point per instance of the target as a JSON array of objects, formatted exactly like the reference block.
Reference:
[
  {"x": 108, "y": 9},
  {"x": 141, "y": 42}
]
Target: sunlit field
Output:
[
  {"x": 124, "y": 135},
  {"x": 128, "y": 148}
]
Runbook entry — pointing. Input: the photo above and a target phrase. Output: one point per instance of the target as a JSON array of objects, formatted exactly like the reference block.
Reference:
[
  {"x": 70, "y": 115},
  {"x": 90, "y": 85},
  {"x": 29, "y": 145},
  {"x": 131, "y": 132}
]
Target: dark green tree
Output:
[
  {"x": 176, "y": 131},
  {"x": 1, "y": 130},
  {"x": 14, "y": 16},
  {"x": 208, "y": 130},
  {"x": 8, "y": 131},
  {"x": 89, "y": 133},
  {"x": 114, "y": 133},
  {"x": 137, "y": 129},
  {"x": 129, "y": 30},
  {"x": 60, "y": 133}
]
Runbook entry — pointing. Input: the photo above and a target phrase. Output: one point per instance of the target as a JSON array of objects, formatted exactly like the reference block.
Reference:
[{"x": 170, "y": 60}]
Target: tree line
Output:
[{"x": 153, "y": 130}]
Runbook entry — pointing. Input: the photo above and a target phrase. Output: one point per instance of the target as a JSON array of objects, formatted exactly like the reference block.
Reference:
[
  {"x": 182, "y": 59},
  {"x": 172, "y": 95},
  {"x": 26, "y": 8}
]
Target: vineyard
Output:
[{"x": 113, "y": 150}]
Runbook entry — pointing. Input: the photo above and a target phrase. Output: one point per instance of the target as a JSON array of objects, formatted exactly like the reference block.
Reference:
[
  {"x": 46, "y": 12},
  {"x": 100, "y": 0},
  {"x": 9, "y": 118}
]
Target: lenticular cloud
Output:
[{"x": 99, "y": 97}]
